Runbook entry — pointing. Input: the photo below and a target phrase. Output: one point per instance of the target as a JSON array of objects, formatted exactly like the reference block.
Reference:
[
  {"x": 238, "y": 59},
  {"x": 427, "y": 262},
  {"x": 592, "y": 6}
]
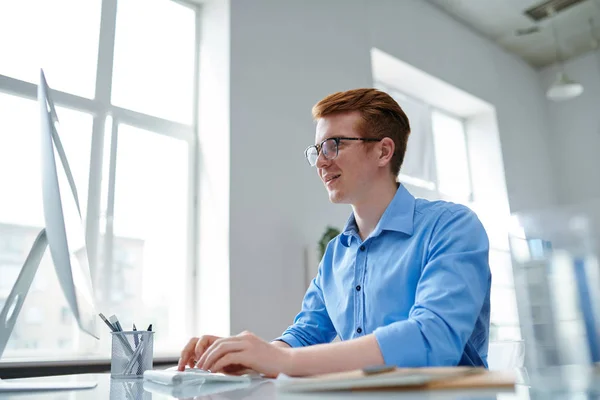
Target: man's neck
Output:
[{"x": 368, "y": 213}]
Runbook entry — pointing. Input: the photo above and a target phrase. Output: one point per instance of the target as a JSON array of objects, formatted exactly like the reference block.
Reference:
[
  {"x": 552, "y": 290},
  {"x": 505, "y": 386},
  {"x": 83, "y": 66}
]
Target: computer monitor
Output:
[{"x": 63, "y": 234}]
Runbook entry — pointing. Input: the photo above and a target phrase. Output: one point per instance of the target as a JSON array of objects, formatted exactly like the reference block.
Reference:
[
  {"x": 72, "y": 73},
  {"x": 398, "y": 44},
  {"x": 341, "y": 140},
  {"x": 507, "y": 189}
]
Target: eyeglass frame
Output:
[{"x": 337, "y": 140}]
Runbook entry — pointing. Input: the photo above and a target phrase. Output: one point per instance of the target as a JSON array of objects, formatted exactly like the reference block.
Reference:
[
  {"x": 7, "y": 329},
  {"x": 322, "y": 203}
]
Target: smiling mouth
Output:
[{"x": 331, "y": 179}]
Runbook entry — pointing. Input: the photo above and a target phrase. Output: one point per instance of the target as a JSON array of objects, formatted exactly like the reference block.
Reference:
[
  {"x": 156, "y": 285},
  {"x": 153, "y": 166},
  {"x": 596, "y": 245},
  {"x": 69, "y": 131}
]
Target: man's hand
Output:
[
  {"x": 244, "y": 351},
  {"x": 195, "y": 348}
]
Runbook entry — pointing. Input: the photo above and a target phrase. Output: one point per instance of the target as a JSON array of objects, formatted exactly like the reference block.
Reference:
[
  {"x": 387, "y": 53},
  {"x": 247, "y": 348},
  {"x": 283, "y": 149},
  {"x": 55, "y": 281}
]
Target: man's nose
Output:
[{"x": 322, "y": 161}]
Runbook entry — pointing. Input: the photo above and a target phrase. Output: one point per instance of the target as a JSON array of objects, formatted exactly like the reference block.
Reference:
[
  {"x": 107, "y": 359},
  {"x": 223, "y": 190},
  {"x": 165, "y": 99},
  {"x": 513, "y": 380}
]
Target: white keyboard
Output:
[
  {"x": 171, "y": 376},
  {"x": 211, "y": 376}
]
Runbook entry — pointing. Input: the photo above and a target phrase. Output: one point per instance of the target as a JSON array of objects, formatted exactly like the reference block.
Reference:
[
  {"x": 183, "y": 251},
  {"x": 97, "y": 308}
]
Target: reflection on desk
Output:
[{"x": 256, "y": 390}]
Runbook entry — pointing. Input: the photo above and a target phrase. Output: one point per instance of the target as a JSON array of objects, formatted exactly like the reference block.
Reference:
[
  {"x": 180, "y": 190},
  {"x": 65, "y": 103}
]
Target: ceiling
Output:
[{"x": 499, "y": 20}]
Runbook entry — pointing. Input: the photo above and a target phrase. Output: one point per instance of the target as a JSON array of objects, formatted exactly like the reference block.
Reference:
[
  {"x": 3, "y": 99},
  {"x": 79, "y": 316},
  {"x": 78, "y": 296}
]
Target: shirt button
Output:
[
  {"x": 358, "y": 287},
  {"x": 359, "y": 330},
  {"x": 362, "y": 248}
]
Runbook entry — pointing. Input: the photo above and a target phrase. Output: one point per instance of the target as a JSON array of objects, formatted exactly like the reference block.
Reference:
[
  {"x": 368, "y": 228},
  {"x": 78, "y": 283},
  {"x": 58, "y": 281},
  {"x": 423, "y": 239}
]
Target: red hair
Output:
[{"x": 381, "y": 115}]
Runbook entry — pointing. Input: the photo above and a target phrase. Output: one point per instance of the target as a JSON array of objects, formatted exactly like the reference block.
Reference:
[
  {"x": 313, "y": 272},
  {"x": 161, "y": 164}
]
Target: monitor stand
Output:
[{"x": 10, "y": 312}]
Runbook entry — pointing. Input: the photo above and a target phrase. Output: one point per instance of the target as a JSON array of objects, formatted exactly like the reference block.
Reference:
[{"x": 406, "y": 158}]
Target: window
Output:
[
  {"x": 155, "y": 179},
  {"x": 19, "y": 151},
  {"x": 504, "y": 316},
  {"x": 436, "y": 157},
  {"x": 154, "y": 66},
  {"x": 65, "y": 315},
  {"x": 34, "y": 316},
  {"x": 452, "y": 162},
  {"x": 44, "y": 34},
  {"x": 419, "y": 162},
  {"x": 10, "y": 273},
  {"x": 131, "y": 147}
]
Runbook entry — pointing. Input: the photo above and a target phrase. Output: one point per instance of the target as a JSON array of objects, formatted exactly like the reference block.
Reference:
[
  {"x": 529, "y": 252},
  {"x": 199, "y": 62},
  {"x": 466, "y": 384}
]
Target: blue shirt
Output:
[{"x": 420, "y": 282}]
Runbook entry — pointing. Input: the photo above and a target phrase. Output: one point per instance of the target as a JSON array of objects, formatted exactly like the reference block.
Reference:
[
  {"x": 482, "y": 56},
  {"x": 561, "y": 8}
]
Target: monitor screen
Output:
[{"x": 64, "y": 224}]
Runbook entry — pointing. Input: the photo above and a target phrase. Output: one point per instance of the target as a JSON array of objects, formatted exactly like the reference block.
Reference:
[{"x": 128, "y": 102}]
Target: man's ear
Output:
[{"x": 386, "y": 151}]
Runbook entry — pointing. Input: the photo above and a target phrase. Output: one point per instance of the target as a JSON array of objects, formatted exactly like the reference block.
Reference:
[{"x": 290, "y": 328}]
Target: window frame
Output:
[
  {"x": 100, "y": 108},
  {"x": 424, "y": 189},
  {"x": 470, "y": 197}
]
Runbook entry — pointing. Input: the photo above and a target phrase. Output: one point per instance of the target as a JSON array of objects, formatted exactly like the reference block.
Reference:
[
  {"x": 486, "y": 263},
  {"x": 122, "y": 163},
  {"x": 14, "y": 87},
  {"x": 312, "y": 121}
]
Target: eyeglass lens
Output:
[{"x": 329, "y": 149}]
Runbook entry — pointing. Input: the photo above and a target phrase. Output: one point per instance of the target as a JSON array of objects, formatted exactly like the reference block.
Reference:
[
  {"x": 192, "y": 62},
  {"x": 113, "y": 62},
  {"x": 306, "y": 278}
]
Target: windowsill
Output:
[{"x": 26, "y": 368}]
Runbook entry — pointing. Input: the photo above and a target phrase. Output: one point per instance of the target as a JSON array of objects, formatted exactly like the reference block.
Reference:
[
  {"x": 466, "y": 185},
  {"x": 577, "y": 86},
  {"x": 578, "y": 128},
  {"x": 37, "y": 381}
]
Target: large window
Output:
[
  {"x": 124, "y": 79},
  {"x": 152, "y": 67},
  {"x": 437, "y": 156},
  {"x": 437, "y": 166},
  {"x": 40, "y": 33}
]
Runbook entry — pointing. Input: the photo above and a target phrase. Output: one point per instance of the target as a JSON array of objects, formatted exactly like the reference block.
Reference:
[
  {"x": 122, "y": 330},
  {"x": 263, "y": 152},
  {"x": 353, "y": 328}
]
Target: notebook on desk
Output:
[{"x": 402, "y": 379}]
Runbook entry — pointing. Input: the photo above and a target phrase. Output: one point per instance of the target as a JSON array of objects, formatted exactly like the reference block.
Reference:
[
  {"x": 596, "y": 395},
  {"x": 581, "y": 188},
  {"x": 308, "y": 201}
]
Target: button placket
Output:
[{"x": 361, "y": 262}]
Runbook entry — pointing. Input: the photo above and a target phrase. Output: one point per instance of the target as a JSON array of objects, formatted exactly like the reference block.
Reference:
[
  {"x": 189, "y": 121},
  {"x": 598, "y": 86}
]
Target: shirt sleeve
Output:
[
  {"x": 451, "y": 292},
  {"x": 312, "y": 325}
]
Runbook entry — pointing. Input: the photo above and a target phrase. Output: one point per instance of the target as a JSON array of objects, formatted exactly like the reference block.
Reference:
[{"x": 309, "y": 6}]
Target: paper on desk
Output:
[
  {"x": 286, "y": 383},
  {"x": 400, "y": 377}
]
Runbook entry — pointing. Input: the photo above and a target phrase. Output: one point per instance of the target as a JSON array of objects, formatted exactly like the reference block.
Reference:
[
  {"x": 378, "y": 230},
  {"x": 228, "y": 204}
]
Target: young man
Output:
[{"x": 406, "y": 283}]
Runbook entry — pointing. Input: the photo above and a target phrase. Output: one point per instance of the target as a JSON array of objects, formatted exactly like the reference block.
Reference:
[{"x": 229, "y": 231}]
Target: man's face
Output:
[{"x": 347, "y": 176}]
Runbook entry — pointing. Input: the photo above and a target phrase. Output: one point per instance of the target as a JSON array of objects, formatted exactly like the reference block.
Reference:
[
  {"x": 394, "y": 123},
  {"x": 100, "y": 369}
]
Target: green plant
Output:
[{"x": 330, "y": 233}]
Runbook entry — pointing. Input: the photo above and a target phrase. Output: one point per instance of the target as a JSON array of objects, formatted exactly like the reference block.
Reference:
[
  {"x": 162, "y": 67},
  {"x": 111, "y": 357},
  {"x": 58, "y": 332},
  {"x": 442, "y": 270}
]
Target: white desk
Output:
[{"x": 134, "y": 390}]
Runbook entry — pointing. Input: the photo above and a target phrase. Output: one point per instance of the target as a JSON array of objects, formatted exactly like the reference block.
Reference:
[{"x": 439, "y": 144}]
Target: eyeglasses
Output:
[{"x": 329, "y": 148}]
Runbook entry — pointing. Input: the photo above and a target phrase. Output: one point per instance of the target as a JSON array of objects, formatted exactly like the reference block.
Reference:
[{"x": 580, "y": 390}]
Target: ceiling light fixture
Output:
[{"x": 563, "y": 88}]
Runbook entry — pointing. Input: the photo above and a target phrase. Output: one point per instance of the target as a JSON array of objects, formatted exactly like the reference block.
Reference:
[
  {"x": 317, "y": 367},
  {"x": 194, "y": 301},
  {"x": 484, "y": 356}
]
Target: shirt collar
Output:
[{"x": 398, "y": 216}]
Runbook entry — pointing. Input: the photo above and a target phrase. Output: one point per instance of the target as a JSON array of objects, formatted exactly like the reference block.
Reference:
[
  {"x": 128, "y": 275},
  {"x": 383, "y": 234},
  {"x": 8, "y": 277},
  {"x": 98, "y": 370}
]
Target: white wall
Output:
[
  {"x": 575, "y": 131},
  {"x": 285, "y": 56}
]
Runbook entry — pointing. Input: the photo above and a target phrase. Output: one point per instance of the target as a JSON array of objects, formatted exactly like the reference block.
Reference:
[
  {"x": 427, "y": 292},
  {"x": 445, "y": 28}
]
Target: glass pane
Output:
[
  {"x": 451, "y": 156},
  {"x": 20, "y": 158},
  {"x": 509, "y": 332},
  {"x": 501, "y": 268},
  {"x": 21, "y": 219},
  {"x": 43, "y": 305},
  {"x": 45, "y": 34},
  {"x": 148, "y": 276},
  {"x": 503, "y": 306},
  {"x": 154, "y": 68},
  {"x": 419, "y": 164}
]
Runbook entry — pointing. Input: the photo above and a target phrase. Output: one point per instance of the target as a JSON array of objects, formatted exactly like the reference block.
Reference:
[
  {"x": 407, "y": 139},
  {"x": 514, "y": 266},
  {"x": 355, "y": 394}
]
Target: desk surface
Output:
[{"x": 258, "y": 390}]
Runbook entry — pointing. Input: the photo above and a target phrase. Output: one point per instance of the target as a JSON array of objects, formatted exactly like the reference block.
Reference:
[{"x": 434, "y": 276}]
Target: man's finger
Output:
[
  {"x": 187, "y": 353},
  {"x": 235, "y": 358},
  {"x": 203, "y": 344},
  {"x": 212, "y": 346},
  {"x": 220, "y": 351},
  {"x": 238, "y": 369},
  {"x": 191, "y": 362}
]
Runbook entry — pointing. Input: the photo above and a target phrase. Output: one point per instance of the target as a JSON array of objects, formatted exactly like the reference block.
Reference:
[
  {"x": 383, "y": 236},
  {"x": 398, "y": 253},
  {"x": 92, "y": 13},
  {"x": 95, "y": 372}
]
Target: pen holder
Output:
[
  {"x": 126, "y": 389},
  {"x": 131, "y": 354}
]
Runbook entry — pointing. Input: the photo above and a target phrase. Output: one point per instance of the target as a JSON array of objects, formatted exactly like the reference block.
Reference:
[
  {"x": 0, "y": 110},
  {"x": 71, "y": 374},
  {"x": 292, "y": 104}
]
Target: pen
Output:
[
  {"x": 149, "y": 327},
  {"x": 135, "y": 336},
  {"x": 134, "y": 357},
  {"x": 112, "y": 328},
  {"x": 115, "y": 321}
]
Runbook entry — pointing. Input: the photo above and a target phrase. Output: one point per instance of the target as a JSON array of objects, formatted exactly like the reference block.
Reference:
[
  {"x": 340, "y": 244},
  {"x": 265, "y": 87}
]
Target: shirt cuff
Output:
[
  {"x": 289, "y": 339},
  {"x": 401, "y": 344}
]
